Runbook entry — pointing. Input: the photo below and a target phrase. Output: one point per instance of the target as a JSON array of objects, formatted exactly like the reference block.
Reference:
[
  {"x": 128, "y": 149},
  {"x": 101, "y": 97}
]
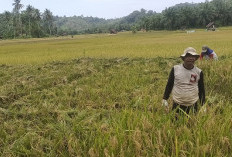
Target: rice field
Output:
[
  {"x": 126, "y": 44},
  {"x": 100, "y": 95}
]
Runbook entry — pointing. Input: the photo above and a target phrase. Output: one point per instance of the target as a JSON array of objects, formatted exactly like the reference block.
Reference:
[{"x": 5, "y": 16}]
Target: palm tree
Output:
[
  {"x": 48, "y": 20},
  {"x": 17, "y": 6},
  {"x": 16, "y": 11},
  {"x": 9, "y": 21},
  {"x": 29, "y": 13},
  {"x": 37, "y": 22}
]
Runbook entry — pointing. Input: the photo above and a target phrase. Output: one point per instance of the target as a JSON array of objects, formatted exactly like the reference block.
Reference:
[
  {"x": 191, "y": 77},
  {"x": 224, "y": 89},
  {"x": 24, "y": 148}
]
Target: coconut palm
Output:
[
  {"x": 48, "y": 20},
  {"x": 29, "y": 15},
  {"x": 17, "y": 17}
]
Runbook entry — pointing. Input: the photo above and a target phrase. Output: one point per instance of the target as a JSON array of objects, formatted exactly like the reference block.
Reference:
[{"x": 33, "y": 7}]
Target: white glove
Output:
[
  {"x": 164, "y": 103},
  {"x": 203, "y": 109}
]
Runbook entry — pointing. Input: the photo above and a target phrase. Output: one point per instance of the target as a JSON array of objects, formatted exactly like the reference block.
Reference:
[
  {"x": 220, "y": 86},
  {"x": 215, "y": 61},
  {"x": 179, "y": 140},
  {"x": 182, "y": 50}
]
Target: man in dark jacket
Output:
[{"x": 186, "y": 83}]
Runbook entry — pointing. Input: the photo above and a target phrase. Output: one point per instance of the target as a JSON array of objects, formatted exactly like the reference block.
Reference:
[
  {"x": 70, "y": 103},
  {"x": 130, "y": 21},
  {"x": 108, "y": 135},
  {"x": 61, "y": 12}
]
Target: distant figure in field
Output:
[
  {"x": 186, "y": 83},
  {"x": 208, "y": 53}
]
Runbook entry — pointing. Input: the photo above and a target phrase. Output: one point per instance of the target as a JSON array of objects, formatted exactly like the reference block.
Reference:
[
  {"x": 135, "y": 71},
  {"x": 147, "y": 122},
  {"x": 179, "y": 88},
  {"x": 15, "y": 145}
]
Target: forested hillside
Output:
[
  {"x": 31, "y": 22},
  {"x": 83, "y": 25}
]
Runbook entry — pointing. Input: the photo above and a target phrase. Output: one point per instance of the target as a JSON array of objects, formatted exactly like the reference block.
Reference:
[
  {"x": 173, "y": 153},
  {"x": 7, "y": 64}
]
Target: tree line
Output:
[
  {"x": 180, "y": 16},
  {"x": 26, "y": 23},
  {"x": 32, "y": 23}
]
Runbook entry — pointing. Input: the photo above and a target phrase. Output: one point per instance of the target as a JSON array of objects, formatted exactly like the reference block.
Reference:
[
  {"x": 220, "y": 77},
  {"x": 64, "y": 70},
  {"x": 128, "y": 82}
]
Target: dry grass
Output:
[
  {"x": 106, "y": 106},
  {"x": 142, "y": 44}
]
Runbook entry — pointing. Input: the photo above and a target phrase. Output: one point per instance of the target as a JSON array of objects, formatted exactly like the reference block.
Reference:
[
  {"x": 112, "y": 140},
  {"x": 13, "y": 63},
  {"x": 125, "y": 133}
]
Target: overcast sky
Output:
[{"x": 96, "y": 8}]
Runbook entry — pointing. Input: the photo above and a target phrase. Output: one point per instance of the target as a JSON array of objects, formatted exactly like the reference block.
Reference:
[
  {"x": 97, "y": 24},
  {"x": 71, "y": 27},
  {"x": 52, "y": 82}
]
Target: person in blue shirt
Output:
[{"x": 208, "y": 53}]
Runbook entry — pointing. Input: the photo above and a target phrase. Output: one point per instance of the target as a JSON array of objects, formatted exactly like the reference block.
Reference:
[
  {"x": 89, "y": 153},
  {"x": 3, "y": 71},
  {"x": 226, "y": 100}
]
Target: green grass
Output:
[{"x": 110, "y": 105}]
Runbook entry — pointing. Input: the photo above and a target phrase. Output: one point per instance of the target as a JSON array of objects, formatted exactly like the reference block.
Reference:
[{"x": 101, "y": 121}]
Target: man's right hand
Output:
[{"x": 165, "y": 104}]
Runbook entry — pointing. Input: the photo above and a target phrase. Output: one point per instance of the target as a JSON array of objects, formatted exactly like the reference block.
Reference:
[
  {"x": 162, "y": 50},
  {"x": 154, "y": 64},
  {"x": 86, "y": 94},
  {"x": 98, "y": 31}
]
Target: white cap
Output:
[
  {"x": 204, "y": 48},
  {"x": 191, "y": 51}
]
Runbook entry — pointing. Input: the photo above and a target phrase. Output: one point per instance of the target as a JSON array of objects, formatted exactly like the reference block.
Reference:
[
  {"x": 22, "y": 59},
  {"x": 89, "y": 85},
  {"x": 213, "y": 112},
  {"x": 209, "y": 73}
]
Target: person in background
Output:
[
  {"x": 208, "y": 53},
  {"x": 186, "y": 83}
]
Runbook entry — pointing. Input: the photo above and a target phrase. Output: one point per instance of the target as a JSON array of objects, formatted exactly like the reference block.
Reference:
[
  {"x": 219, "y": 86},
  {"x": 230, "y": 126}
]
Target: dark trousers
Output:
[{"x": 186, "y": 109}]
